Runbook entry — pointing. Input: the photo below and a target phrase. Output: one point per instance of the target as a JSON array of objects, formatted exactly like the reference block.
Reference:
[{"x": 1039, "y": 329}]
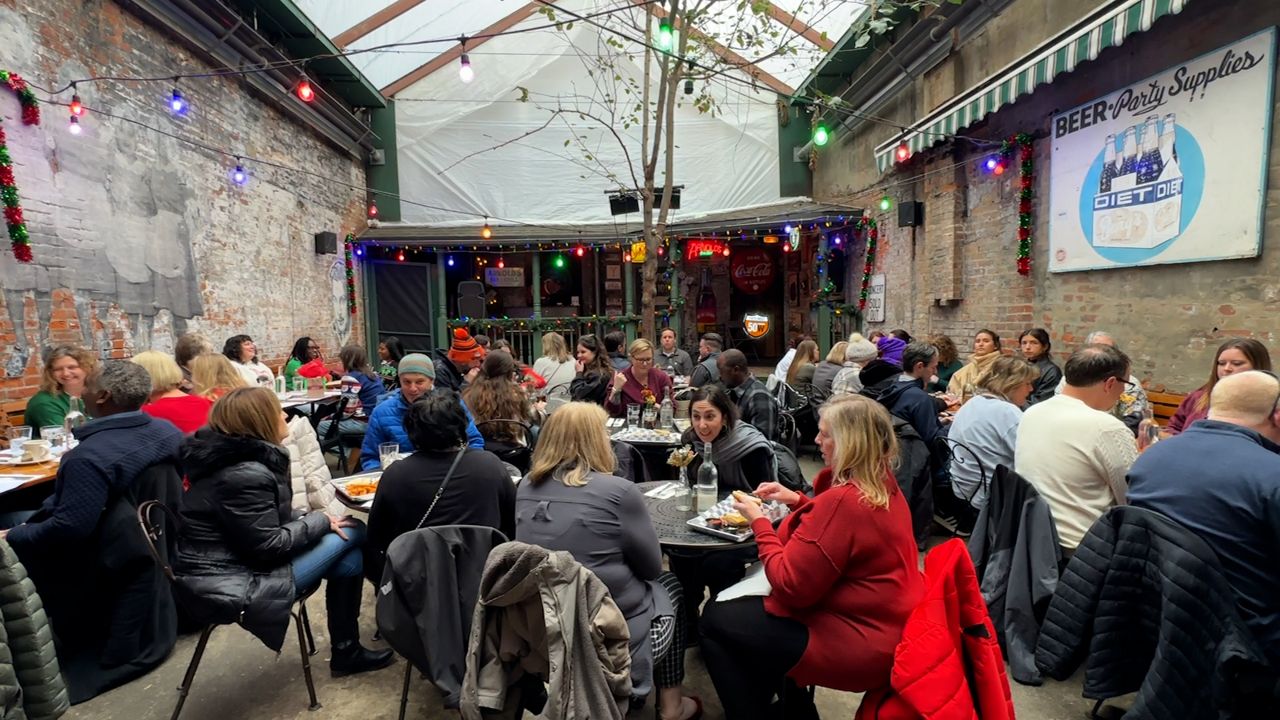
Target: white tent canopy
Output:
[{"x": 512, "y": 145}]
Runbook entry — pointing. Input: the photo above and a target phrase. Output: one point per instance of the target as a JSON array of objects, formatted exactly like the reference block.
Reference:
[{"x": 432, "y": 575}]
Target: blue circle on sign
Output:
[{"x": 1190, "y": 163}]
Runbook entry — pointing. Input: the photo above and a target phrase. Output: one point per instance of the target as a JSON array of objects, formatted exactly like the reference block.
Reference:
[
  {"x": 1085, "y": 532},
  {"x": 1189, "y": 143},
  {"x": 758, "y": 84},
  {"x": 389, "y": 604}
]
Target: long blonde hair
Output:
[
  {"x": 1006, "y": 374},
  {"x": 866, "y": 450},
  {"x": 213, "y": 374},
  {"x": 163, "y": 369},
  {"x": 572, "y": 443},
  {"x": 806, "y": 354},
  {"x": 554, "y": 347},
  {"x": 837, "y": 352}
]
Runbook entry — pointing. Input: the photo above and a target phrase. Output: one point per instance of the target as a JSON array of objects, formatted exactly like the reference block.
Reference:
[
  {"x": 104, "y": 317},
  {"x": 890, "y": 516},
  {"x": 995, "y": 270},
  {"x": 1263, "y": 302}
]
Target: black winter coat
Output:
[
  {"x": 1146, "y": 601},
  {"x": 913, "y": 476},
  {"x": 239, "y": 534}
]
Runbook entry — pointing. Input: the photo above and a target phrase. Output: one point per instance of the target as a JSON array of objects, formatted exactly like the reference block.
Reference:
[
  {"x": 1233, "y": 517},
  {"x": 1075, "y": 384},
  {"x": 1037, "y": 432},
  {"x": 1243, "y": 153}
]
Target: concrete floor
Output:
[{"x": 239, "y": 678}]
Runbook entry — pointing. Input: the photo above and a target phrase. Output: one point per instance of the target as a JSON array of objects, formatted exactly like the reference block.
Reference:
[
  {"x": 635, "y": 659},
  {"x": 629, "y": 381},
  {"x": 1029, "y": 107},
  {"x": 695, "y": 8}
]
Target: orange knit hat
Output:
[{"x": 464, "y": 348}]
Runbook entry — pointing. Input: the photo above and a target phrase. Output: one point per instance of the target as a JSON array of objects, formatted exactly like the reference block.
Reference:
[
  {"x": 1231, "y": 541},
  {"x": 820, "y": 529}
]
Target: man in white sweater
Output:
[{"x": 1073, "y": 450}]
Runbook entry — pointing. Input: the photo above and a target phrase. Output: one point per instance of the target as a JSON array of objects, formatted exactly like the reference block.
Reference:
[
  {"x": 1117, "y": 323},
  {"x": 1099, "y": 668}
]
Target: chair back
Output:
[
  {"x": 962, "y": 454},
  {"x": 518, "y": 455},
  {"x": 335, "y": 416},
  {"x": 155, "y": 519}
]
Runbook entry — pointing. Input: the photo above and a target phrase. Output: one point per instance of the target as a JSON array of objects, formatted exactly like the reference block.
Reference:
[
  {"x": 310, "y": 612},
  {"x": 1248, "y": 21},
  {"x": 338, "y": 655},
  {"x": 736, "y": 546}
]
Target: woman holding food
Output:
[
  {"x": 743, "y": 456},
  {"x": 571, "y": 501},
  {"x": 843, "y": 571}
]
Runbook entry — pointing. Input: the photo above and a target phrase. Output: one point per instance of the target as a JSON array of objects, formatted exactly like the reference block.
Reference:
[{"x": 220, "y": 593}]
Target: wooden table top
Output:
[{"x": 41, "y": 473}]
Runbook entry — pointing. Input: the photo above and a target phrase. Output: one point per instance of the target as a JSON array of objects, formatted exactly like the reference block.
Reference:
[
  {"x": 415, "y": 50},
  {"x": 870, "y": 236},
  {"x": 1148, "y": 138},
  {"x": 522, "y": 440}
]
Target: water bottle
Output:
[
  {"x": 707, "y": 488},
  {"x": 75, "y": 416},
  {"x": 666, "y": 416}
]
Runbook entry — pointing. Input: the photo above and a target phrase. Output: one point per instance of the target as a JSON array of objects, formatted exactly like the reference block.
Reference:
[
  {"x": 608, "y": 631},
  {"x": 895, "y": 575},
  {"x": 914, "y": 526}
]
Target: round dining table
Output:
[{"x": 672, "y": 527}]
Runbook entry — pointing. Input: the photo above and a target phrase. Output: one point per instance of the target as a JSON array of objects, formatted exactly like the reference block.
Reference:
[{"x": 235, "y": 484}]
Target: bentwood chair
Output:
[{"x": 156, "y": 519}]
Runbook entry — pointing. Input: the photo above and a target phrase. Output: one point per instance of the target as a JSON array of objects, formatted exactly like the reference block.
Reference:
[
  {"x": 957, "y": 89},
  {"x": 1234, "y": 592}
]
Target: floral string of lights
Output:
[
  {"x": 347, "y": 244},
  {"x": 868, "y": 225},
  {"x": 1026, "y": 190},
  {"x": 19, "y": 237}
]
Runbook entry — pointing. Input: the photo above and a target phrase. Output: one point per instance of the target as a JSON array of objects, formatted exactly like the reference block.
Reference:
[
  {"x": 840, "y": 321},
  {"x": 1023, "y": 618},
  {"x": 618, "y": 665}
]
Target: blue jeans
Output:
[
  {"x": 330, "y": 558},
  {"x": 347, "y": 427}
]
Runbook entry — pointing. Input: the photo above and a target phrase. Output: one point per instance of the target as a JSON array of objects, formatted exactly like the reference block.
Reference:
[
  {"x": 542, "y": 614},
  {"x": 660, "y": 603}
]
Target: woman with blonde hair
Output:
[
  {"x": 987, "y": 427},
  {"x": 571, "y": 501},
  {"x": 555, "y": 366},
  {"x": 188, "y": 412},
  {"x": 638, "y": 384},
  {"x": 826, "y": 372},
  {"x": 65, "y": 370},
  {"x": 843, "y": 571},
  {"x": 213, "y": 375},
  {"x": 243, "y": 552}
]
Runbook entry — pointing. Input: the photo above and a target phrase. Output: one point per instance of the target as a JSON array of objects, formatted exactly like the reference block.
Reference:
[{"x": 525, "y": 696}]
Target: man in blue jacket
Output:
[
  {"x": 1220, "y": 478},
  {"x": 904, "y": 395},
  {"x": 386, "y": 422}
]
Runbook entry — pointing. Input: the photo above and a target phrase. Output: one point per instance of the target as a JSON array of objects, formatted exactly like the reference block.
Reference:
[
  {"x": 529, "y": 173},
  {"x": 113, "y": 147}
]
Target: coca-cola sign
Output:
[{"x": 752, "y": 271}]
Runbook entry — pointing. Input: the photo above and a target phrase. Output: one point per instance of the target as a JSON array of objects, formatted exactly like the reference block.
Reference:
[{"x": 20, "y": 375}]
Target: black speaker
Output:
[
  {"x": 623, "y": 204},
  {"x": 326, "y": 243},
  {"x": 675, "y": 198},
  {"x": 910, "y": 214}
]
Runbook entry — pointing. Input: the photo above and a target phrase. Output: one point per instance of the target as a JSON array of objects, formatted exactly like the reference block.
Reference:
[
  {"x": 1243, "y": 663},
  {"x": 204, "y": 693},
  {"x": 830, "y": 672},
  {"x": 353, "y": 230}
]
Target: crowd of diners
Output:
[{"x": 261, "y": 526}]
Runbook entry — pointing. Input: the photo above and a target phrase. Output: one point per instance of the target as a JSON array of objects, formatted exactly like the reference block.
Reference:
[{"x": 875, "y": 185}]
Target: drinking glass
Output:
[
  {"x": 18, "y": 435},
  {"x": 650, "y": 417},
  {"x": 54, "y": 434},
  {"x": 388, "y": 453},
  {"x": 633, "y": 417},
  {"x": 684, "y": 493}
]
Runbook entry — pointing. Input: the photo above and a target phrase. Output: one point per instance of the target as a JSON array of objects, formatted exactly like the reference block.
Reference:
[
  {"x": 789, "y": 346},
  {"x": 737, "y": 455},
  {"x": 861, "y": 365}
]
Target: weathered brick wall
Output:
[
  {"x": 139, "y": 237},
  {"x": 1168, "y": 318}
]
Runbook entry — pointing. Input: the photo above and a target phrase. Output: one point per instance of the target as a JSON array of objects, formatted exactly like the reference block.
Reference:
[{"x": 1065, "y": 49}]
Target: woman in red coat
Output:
[{"x": 843, "y": 570}]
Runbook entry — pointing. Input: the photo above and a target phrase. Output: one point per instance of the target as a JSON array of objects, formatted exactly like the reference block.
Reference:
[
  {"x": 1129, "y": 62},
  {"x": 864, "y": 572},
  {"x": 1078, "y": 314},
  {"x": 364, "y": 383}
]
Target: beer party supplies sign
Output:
[{"x": 1171, "y": 169}]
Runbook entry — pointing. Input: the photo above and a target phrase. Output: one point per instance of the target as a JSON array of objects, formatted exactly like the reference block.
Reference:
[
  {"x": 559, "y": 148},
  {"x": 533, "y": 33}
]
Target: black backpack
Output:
[{"x": 789, "y": 473}]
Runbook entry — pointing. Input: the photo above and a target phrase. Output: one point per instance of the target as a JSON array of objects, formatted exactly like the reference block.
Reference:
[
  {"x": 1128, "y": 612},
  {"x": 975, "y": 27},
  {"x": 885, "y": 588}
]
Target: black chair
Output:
[
  {"x": 963, "y": 517},
  {"x": 518, "y": 455},
  {"x": 801, "y": 418},
  {"x": 155, "y": 534},
  {"x": 332, "y": 440}
]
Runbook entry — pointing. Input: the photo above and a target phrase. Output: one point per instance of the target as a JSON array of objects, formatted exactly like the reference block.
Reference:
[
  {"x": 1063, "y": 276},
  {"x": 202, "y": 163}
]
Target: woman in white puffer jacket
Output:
[{"x": 308, "y": 472}]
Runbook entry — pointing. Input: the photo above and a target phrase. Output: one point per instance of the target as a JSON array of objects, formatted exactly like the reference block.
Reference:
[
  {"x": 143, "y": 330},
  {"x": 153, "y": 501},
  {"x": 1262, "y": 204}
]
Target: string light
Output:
[
  {"x": 902, "y": 152},
  {"x": 688, "y": 87},
  {"x": 580, "y": 251},
  {"x": 558, "y": 261},
  {"x": 486, "y": 232},
  {"x": 400, "y": 256},
  {"x": 74, "y": 128},
  {"x": 449, "y": 261},
  {"x": 238, "y": 175},
  {"x": 501, "y": 263},
  {"x": 373, "y": 208},
  {"x": 76, "y": 107},
  {"x": 177, "y": 103},
  {"x": 821, "y": 135},
  {"x": 465, "y": 72},
  {"x": 666, "y": 36},
  {"x": 885, "y": 204},
  {"x": 305, "y": 92}
]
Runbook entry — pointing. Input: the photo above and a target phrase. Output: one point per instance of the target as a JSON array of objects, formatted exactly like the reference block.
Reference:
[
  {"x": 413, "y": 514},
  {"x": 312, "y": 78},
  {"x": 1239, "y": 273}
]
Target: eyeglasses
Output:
[{"x": 644, "y": 360}]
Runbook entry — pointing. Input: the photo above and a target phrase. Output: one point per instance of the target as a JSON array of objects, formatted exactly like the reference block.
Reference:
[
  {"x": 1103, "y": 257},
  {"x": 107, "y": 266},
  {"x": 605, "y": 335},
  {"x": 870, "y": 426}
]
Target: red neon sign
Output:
[{"x": 700, "y": 249}]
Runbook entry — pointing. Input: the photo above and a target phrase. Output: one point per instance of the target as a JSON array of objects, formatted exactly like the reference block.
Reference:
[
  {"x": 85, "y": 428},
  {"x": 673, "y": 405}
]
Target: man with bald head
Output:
[
  {"x": 756, "y": 406},
  {"x": 1220, "y": 479}
]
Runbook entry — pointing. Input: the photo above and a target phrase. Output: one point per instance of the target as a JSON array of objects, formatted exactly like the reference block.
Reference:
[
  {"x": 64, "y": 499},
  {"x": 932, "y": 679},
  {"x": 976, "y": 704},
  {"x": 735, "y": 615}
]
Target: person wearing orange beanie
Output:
[{"x": 461, "y": 361}]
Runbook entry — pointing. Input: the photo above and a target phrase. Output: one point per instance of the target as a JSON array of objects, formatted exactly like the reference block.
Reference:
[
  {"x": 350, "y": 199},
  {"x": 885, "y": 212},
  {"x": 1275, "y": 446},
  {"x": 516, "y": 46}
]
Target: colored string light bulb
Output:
[
  {"x": 373, "y": 209},
  {"x": 449, "y": 261},
  {"x": 177, "y": 103},
  {"x": 666, "y": 36},
  {"x": 992, "y": 163},
  {"x": 902, "y": 153},
  {"x": 238, "y": 175},
  {"x": 76, "y": 107},
  {"x": 74, "y": 128},
  {"x": 400, "y": 256},
  {"x": 305, "y": 92},
  {"x": 501, "y": 263},
  {"x": 486, "y": 232},
  {"x": 885, "y": 204},
  {"x": 558, "y": 261},
  {"x": 821, "y": 135},
  {"x": 465, "y": 72},
  {"x": 580, "y": 251}
]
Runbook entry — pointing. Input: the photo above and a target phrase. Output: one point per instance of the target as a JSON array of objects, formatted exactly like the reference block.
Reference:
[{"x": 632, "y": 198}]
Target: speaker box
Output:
[
  {"x": 910, "y": 214},
  {"x": 326, "y": 243},
  {"x": 675, "y": 198},
  {"x": 623, "y": 204}
]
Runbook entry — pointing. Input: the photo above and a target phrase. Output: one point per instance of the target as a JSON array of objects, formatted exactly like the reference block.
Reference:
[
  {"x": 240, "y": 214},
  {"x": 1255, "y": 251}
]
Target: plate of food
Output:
[
  {"x": 359, "y": 488},
  {"x": 725, "y": 522},
  {"x": 647, "y": 435}
]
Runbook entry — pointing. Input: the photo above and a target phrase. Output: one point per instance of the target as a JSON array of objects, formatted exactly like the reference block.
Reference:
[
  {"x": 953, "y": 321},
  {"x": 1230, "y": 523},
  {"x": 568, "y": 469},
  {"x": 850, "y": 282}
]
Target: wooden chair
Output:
[
  {"x": 1164, "y": 405},
  {"x": 153, "y": 530}
]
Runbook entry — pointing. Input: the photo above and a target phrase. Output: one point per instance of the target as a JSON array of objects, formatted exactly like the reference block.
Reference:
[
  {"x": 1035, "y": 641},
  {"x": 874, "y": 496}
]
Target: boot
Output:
[{"x": 342, "y": 601}]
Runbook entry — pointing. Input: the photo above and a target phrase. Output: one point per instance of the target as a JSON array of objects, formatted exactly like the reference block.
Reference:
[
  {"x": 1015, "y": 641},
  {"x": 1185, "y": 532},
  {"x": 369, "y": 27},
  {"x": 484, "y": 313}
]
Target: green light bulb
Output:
[
  {"x": 558, "y": 261},
  {"x": 666, "y": 38},
  {"x": 821, "y": 135},
  {"x": 885, "y": 203}
]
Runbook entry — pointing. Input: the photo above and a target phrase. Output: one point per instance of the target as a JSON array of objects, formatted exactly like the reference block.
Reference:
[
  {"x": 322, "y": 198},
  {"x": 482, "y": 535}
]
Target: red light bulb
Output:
[
  {"x": 305, "y": 92},
  {"x": 501, "y": 263},
  {"x": 580, "y": 251},
  {"x": 400, "y": 256},
  {"x": 902, "y": 153},
  {"x": 725, "y": 252},
  {"x": 373, "y": 209},
  {"x": 76, "y": 107}
]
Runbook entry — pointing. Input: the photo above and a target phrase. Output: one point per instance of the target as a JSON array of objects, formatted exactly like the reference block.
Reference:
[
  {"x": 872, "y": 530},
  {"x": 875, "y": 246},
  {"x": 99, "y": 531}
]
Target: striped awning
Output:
[{"x": 1101, "y": 29}]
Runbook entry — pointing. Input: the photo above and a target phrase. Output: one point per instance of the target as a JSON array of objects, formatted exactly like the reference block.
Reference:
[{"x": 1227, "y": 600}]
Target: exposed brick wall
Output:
[
  {"x": 1169, "y": 318},
  {"x": 139, "y": 237}
]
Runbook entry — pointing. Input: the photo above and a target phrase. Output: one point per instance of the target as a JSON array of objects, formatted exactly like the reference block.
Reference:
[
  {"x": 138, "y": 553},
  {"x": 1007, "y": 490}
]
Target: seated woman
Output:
[
  {"x": 570, "y": 501},
  {"x": 825, "y": 374},
  {"x": 948, "y": 362},
  {"x": 496, "y": 395},
  {"x": 843, "y": 570},
  {"x": 987, "y": 426},
  {"x": 213, "y": 376},
  {"x": 639, "y": 383},
  {"x": 188, "y": 412},
  {"x": 186, "y": 349},
  {"x": 803, "y": 366},
  {"x": 243, "y": 354},
  {"x": 65, "y": 370},
  {"x": 594, "y": 372},
  {"x": 417, "y": 376},
  {"x": 304, "y": 351},
  {"x": 243, "y": 554},
  {"x": 1035, "y": 347},
  {"x": 361, "y": 386},
  {"x": 1233, "y": 356},
  {"x": 430, "y": 489},
  {"x": 743, "y": 456},
  {"x": 986, "y": 348},
  {"x": 390, "y": 352},
  {"x": 555, "y": 366}
]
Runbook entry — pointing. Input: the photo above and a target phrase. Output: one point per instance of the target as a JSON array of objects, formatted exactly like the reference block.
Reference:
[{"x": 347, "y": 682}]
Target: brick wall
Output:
[
  {"x": 139, "y": 237},
  {"x": 1169, "y": 319}
]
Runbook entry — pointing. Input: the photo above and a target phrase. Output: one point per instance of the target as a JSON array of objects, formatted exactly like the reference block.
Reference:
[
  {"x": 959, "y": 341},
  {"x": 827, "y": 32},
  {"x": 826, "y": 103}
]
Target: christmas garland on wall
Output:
[
  {"x": 1026, "y": 190},
  {"x": 867, "y": 224},
  {"x": 19, "y": 237},
  {"x": 347, "y": 244}
]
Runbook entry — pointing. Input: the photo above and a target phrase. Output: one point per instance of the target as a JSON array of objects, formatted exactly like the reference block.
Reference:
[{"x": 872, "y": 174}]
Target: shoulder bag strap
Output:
[{"x": 443, "y": 483}]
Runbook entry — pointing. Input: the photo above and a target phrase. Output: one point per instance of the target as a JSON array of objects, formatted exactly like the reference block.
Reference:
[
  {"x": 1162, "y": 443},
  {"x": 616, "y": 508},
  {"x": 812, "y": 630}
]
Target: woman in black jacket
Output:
[
  {"x": 594, "y": 372},
  {"x": 243, "y": 555},
  {"x": 1035, "y": 349}
]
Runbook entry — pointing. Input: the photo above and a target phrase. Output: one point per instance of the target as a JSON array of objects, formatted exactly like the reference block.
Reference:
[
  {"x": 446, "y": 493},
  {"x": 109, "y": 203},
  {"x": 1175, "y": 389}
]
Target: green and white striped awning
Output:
[{"x": 1101, "y": 29}]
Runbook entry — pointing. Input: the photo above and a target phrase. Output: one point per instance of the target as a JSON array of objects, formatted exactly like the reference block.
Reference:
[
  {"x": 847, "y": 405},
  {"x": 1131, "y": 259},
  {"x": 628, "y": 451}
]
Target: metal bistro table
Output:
[
  {"x": 673, "y": 533},
  {"x": 653, "y": 445}
]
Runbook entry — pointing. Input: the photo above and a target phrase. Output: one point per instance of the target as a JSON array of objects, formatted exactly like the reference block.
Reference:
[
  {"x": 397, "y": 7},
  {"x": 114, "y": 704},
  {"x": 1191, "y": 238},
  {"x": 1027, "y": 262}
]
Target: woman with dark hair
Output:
[
  {"x": 390, "y": 351},
  {"x": 186, "y": 349},
  {"x": 902, "y": 335},
  {"x": 304, "y": 351},
  {"x": 361, "y": 387},
  {"x": 242, "y": 551},
  {"x": 479, "y": 490},
  {"x": 986, "y": 348},
  {"x": 496, "y": 394},
  {"x": 948, "y": 362},
  {"x": 1233, "y": 356},
  {"x": 1035, "y": 347},
  {"x": 243, "y": 354},
  {"x": 595, "y": 374},
  {"x": 742, "y": 454}
]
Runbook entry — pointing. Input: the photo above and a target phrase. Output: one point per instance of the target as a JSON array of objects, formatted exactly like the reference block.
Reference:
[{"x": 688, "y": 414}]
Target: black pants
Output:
[
  {"x": 748, "y": 653},
  {"x": 699, "y": 571}
]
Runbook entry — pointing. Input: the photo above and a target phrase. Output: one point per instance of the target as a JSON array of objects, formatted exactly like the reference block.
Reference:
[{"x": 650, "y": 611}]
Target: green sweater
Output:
[
  {"x": 290, "y": 372},
  {"x": 45, "y": 409}
]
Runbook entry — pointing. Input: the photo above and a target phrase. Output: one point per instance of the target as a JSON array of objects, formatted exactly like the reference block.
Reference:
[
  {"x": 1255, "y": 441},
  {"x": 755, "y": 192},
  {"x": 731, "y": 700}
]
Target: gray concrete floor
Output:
[{"x": 239, "y": 678}]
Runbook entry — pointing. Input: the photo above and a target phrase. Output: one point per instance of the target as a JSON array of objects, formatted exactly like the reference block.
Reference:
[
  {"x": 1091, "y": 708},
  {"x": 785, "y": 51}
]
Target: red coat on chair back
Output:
[{"x": 948, "y": 665}]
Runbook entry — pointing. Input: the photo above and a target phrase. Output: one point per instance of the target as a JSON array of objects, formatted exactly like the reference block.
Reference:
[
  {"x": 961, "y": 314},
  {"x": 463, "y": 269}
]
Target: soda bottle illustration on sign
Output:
[{"x": 1139, "y": 199}]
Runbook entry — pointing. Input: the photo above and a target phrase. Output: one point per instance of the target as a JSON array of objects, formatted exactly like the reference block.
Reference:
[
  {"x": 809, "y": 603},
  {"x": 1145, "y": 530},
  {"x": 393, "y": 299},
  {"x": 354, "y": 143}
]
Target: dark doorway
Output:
[{"x": 404, "y": 303}]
